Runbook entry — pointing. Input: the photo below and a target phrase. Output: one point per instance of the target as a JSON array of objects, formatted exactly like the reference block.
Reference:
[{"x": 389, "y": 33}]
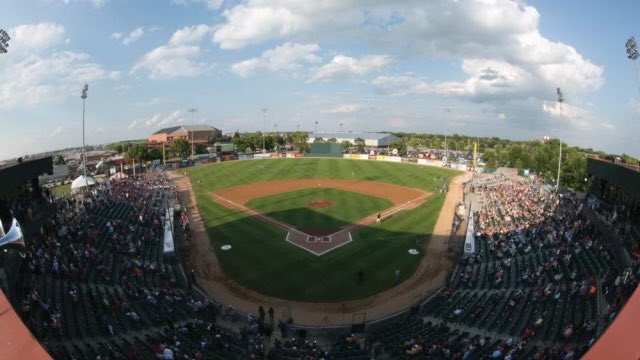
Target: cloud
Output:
[
  {"x": 346, "y": 108},
  {"x": 178, "y": 58},
  {"x": 96, "y": 3},
  {"x": 56, "y": 132},
  {"x": 634, "y": 106},
  {"x": 497, "y": 41},
  {"x": 211, "y": 4},
  {"x": 36, "y": 79},
  {"x": 116, "y": 35},
  {"x": 35, "y": 37},
  {"x": 578, "y": 117},
  {"x": 163, "y": 119},
  {"x": 342, "y": 67},
  {"x": 287, "y": 57},
  {"x": 167, "y": 62},
  {"x": 133, "y": 36},
  {"x": 189, "y": 34}
]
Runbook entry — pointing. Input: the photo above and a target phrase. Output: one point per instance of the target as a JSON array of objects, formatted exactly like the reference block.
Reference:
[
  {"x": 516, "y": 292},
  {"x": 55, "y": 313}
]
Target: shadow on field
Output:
[
  {"x": 306, "y": 217},
  {"x": 261, "y": 259}
]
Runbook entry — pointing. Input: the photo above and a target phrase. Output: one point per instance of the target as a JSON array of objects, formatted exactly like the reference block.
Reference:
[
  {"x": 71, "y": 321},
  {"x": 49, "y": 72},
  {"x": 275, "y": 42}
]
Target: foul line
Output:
[{"x": 288, "y": 228}]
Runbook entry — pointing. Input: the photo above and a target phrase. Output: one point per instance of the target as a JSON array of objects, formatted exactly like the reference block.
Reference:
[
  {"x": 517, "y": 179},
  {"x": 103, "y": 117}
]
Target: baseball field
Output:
[{"x": 306, "y": 230}]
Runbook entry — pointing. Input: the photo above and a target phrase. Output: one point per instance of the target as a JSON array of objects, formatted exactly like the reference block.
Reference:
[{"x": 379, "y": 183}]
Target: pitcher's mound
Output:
[{"x": 323, "y": 203}]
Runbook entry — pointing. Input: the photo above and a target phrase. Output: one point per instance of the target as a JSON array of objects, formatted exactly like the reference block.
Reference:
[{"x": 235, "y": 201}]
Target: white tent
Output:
[
  {"x": 119, "y": 176},
  {"x": 81, "y": 181}
]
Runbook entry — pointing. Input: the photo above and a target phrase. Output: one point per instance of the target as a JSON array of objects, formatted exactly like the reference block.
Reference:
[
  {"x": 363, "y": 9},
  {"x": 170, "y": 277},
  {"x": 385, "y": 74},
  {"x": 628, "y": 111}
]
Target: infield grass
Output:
[
  {"x": 261, "y": 259},
  {"x": 291, "y": 207}
]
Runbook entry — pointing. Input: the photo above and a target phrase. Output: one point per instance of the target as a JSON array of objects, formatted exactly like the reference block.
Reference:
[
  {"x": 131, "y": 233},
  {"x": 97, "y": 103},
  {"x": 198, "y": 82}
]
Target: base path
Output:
[
  {"x": 402, "y": 197},
  {"x": 432, "y": 273}
]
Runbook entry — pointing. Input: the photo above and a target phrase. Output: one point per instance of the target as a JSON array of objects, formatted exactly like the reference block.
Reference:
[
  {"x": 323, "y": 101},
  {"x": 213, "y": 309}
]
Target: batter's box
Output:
[
  {"x": 311, "y": 239},
  {"x": 325, "y": 238}
]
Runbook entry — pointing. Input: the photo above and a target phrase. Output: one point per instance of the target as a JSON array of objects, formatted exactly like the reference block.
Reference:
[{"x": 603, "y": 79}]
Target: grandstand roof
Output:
[
  {"x": 620, "y": 340},
  {"x": 17, "y": 341},
  {"x": 169, "y": 130}
]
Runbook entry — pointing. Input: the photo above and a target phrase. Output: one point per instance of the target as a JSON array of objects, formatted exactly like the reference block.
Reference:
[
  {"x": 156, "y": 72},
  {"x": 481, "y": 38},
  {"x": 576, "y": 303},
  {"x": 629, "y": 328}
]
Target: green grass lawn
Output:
[
  {"x": 262, "y": 260},
  {"x": 290, "y": 207},
  {"x": 61, "y": 190}
]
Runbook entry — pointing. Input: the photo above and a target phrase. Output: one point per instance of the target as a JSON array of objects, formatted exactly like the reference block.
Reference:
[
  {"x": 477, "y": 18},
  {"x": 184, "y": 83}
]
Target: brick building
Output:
[{"x": 196, "y": 133}]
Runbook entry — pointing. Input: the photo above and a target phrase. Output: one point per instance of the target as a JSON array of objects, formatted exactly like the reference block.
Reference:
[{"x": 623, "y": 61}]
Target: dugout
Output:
[{"x": 327, "y": 149}]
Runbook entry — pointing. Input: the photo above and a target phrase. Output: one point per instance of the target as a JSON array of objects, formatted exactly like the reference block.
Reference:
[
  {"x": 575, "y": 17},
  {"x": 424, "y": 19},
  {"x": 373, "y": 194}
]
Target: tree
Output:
[
  {"x": 346, "y": 145},
  {"x": 154, "y": 154},
  {"x": 628, "y": 159},
  {"x": 332, "y": 140},
  {"x": 359, "y": 142},
  {"x": 319, "y": 139},
  {"x": 201, "y": 148},
  {"x": 59, "y": 160},
  {"x": 118, "y": 148},
  {"x": 137, "y": 152},
  {"x": 180, "y": 147},
  {"x": 400, "y": 145}
]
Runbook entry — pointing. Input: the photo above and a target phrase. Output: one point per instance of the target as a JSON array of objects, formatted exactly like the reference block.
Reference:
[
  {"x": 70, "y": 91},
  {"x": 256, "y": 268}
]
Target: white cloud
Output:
[
  {"x": 578, "y": 117},
  {"x": 96, "y": 3},
  {"x": 133, "y": 36},
  {"x": 498, "y": 41},
  {"x": 211, "y": 4},
  {"x": 163, "y": 119},
  {"x": 346, "y": 108},
  {"x": 634, "y": 106},
  {"x": 287, "y": 57},
  {"x": 167, "y": 62},
  {"x": 115, "y": 35},
  {"x": 35, "y": 37},
  {"x": 178, "y": 58},
  {"x": 342, "y": 66},
  {"x": 56, "y": 132},
  {"x": 37, "y": 79},
  {"x": 189, "y": 34}
]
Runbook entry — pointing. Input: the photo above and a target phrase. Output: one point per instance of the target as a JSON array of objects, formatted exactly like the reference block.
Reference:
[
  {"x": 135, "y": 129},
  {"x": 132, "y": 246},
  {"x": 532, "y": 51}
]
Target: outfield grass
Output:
[
  {"x": 260, "y": 258},
  {"x": 290, "y": 207}
]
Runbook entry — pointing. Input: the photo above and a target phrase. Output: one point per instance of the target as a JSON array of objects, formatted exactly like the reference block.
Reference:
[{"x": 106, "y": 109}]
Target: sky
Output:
[{"x": 351, "y": 65}]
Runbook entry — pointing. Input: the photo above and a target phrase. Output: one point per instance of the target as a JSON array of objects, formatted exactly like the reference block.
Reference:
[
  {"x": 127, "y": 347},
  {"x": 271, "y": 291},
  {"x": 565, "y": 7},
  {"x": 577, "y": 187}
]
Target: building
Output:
[
  {"x": 371, "y": 140},
  {"x": 193, "y": 133}
]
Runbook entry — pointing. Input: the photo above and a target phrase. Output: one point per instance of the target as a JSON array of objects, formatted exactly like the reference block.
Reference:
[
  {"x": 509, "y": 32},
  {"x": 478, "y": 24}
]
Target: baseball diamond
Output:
[{"x": 275, "y": 255}]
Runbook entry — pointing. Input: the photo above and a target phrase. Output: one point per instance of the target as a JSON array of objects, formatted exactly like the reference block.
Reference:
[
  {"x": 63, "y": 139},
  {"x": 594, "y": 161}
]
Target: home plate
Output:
[
  {"x": 413, "y": 252},
  {"x": 225, "y": 247}
]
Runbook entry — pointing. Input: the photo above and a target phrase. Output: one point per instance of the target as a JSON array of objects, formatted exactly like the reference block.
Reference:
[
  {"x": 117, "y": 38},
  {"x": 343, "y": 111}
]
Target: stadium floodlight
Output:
[
  {"x": 264, "y": 117},
  {"x": 85, "y": 89},
  {"x": 192, "y": 111},
  {"x": 4, "y": 41},
  {"x": 316, "y": 126},
  {"x": 446, "y": 148},
  {"x": 633, "y": 54},
  {"x": 560, "y": 101}
]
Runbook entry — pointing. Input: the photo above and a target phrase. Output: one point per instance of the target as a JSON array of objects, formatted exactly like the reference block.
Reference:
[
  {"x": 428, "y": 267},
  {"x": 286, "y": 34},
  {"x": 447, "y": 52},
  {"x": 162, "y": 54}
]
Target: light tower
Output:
[
  {"x": 85, "y": 89},
  {"x": 633, "y": 54},
  {"x": 264, "y": 116},
  {"x": 560, "y": 101},
  {"x": 192, "y": 111},
  {"x": 4, "y": 41}
]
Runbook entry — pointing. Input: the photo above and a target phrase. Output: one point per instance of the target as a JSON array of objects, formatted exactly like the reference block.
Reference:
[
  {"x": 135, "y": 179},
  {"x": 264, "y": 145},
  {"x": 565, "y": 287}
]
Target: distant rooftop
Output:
[
  {"x": 349, "y": 135},
  {"x": 171, "y": 129}
]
